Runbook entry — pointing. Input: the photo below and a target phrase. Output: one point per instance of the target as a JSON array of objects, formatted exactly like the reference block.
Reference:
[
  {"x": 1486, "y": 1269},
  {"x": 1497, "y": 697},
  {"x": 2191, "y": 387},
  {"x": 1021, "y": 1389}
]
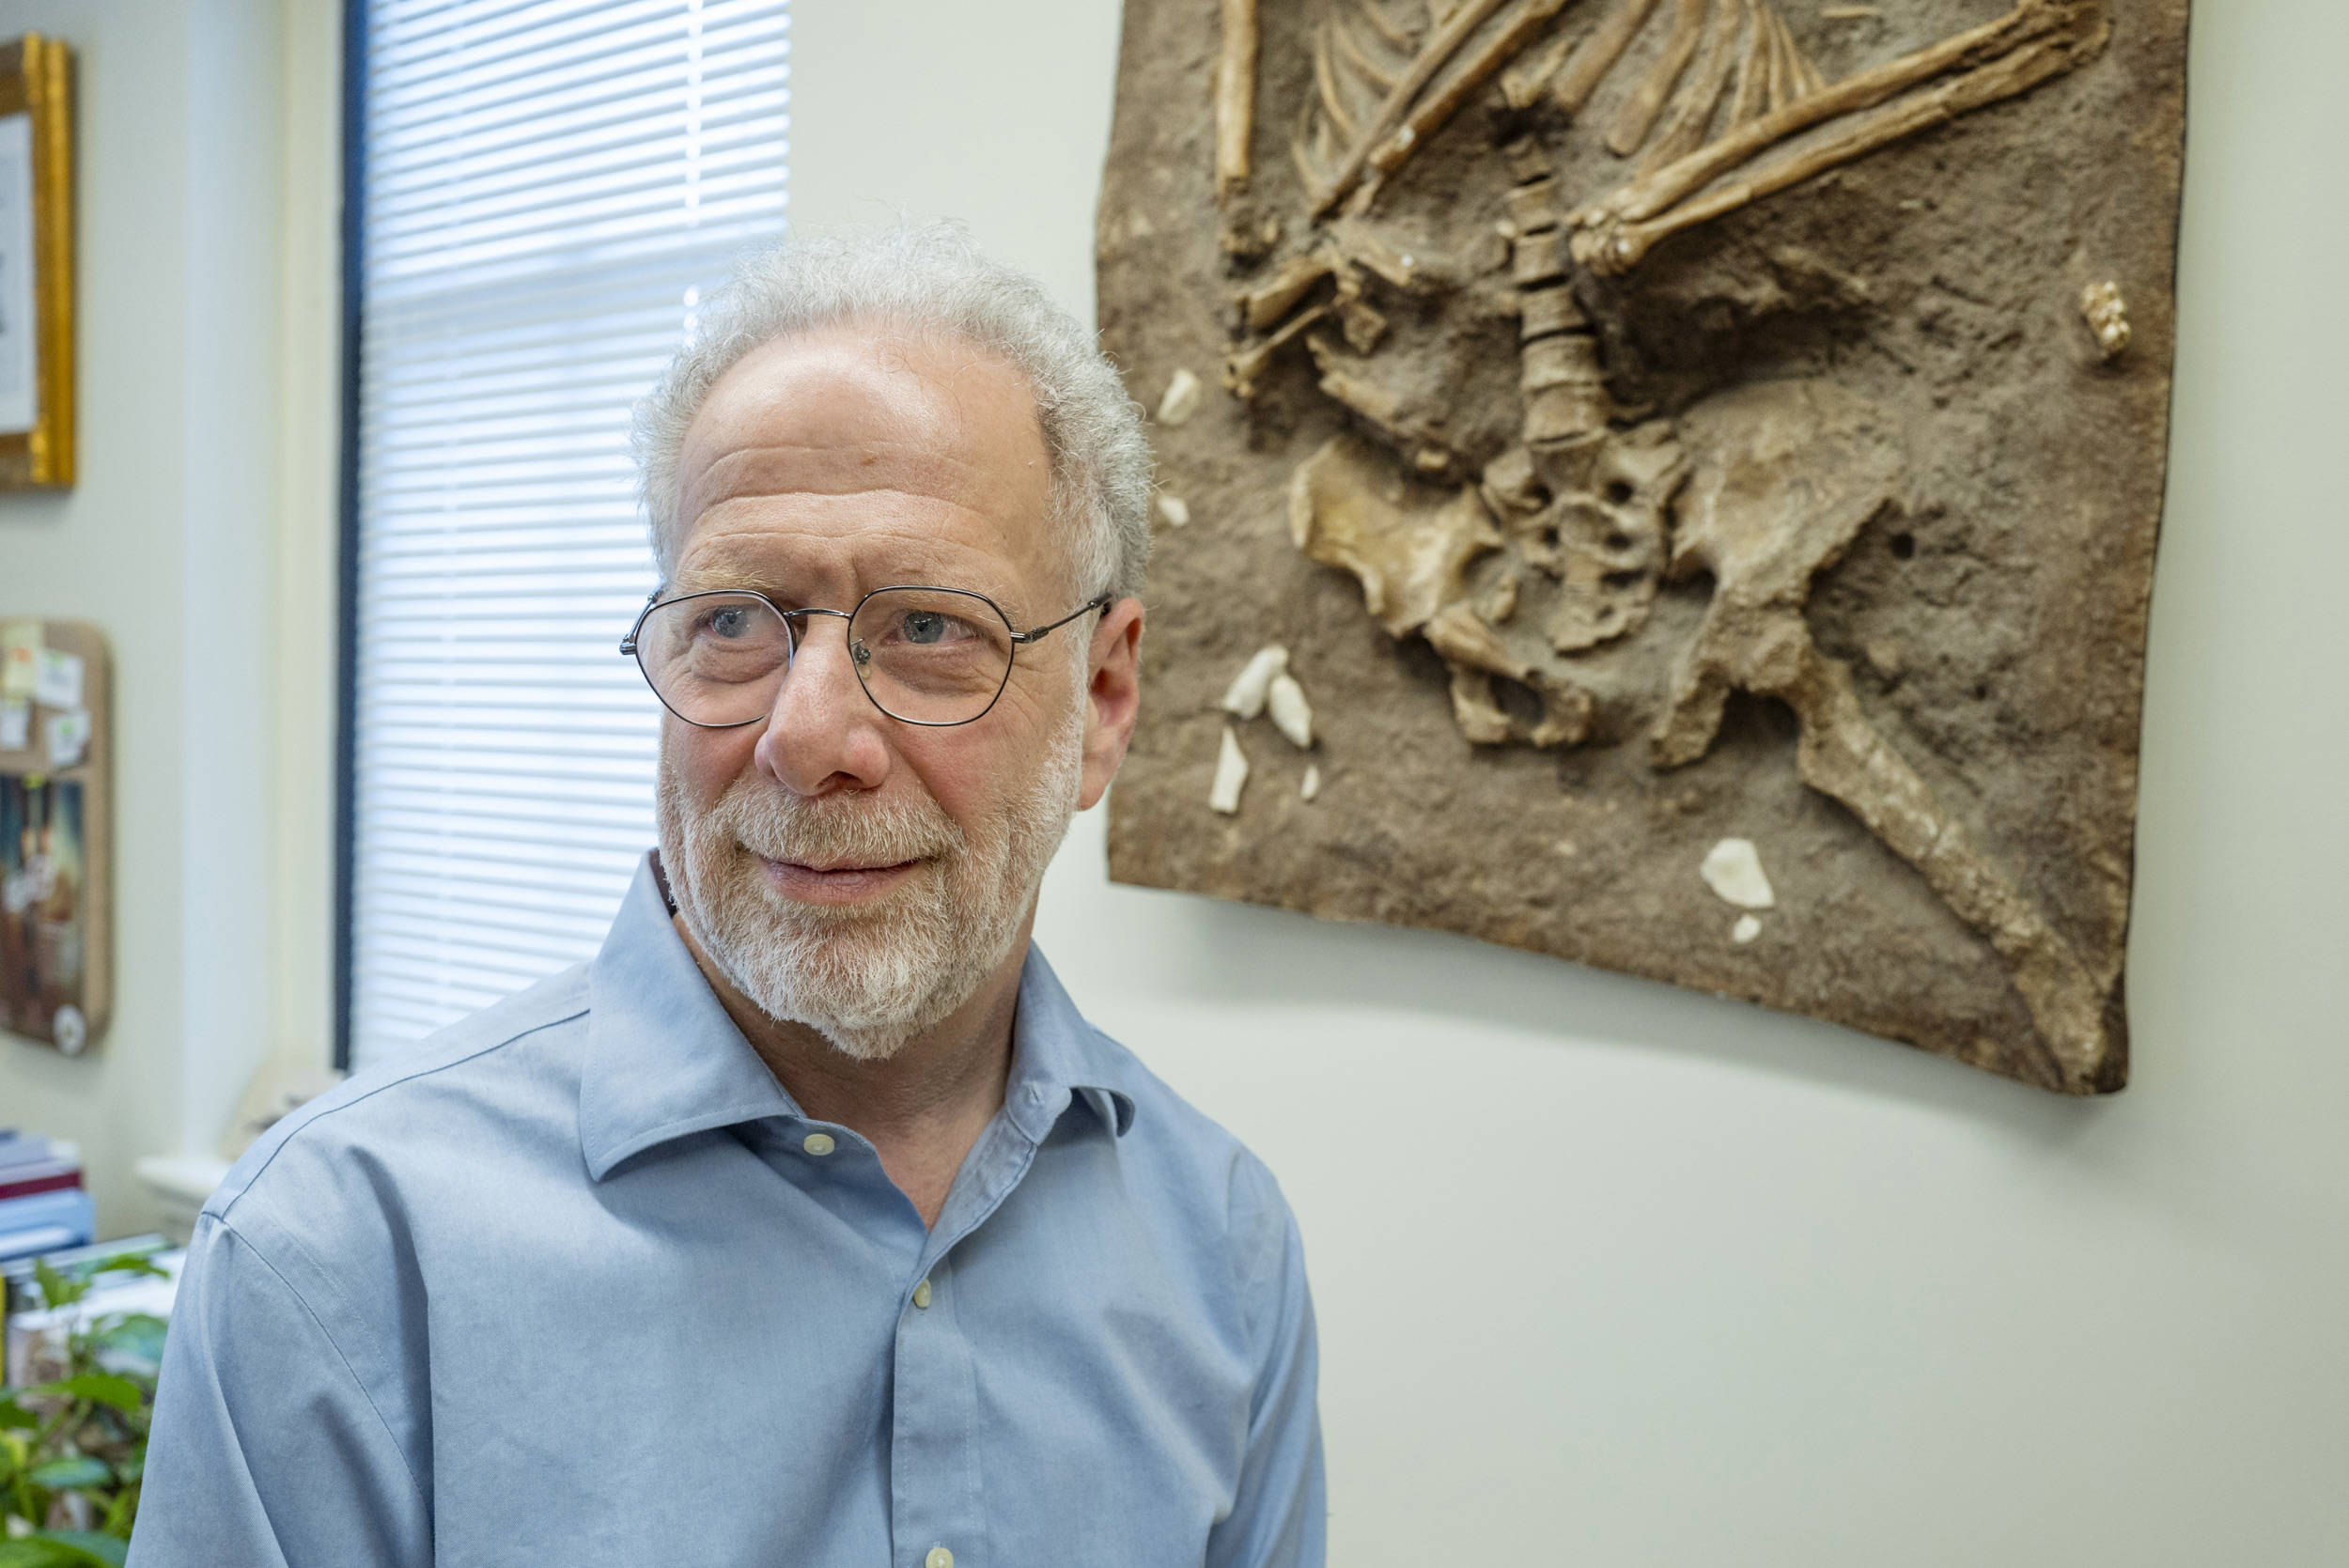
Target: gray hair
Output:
[{"x": 933, "y": 280}]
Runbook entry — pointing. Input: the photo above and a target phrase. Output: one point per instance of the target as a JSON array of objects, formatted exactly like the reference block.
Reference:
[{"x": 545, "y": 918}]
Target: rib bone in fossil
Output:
[
  {"x": 2038, "y": 39},
  {"x": 1235, "y": 97}
]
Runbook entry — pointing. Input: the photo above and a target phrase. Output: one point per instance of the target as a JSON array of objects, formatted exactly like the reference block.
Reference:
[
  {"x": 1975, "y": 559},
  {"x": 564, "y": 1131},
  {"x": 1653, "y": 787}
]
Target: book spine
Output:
[{"x": 25, "y": 1189}]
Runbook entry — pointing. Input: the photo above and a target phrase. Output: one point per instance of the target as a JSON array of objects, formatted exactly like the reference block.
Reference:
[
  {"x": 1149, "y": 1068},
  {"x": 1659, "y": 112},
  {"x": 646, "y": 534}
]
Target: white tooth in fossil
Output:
[
  {"x": 1175, "y": 510},
  {"x": 1311, "y": 786},
  {"x": 1291, "y": 713},
  {"x": 1245, "y": 697},
  {"x": 1733, "y": 869},
  {"x": 1231, "y": 775},
  {"x": 1182, "y": 397}
]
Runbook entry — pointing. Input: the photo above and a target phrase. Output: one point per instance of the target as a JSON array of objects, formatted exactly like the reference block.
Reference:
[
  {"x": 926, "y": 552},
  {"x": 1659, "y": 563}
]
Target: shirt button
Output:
[
  {"x": 922, "y": 1299},
  {"x": 939, "y": 1558},
  {"x": 817, "y": 1143}
]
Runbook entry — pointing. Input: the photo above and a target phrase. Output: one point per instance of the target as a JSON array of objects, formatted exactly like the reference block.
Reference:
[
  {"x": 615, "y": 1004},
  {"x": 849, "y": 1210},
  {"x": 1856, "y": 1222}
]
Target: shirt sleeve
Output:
[
  {"x": 266, "y": 1451},
  {"x": 1280, "y": 1515}
]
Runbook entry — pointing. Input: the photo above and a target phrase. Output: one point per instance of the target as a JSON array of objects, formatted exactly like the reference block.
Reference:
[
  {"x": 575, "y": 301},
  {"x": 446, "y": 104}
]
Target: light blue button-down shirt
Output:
[{"x": 573, "y": 1285}]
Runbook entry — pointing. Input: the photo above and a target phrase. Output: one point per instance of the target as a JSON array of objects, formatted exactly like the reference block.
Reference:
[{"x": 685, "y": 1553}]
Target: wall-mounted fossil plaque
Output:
[{"x": 1671, "y": 484}]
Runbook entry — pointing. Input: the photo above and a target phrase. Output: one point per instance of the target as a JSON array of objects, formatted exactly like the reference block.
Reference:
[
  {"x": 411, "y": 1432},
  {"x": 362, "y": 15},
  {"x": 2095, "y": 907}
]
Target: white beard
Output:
[{"x": 872, "y": 976}]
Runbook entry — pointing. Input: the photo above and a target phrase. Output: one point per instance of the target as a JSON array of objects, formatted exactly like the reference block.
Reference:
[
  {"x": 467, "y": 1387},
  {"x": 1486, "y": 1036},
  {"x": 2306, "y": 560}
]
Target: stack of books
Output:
[{"x": 42, "y": 1205}]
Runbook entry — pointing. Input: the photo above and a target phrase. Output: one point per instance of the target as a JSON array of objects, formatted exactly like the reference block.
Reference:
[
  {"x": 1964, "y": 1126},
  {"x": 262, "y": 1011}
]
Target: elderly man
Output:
[{"x": 810, "y": 1223}]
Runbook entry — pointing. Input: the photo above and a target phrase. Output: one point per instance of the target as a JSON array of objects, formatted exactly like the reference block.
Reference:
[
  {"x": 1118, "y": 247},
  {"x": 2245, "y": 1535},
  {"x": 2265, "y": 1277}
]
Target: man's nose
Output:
[{"x": 823, "y": 733}]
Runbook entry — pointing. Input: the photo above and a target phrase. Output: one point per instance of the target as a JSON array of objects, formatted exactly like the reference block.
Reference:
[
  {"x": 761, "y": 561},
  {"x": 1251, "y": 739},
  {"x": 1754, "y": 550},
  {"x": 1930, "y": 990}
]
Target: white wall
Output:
[
  {"x": 1613, "y": 1274},
  {"x": 201, "y": 540}
]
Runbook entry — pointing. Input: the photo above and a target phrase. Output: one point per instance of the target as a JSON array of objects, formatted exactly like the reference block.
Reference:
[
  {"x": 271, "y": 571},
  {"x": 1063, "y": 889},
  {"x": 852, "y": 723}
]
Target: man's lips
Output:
[{"x": 845, "y": 884}]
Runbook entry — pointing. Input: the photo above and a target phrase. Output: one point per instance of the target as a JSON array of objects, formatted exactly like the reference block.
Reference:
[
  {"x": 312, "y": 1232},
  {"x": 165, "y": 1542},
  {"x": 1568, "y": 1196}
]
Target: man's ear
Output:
[{"x": 1112, "y": 697}]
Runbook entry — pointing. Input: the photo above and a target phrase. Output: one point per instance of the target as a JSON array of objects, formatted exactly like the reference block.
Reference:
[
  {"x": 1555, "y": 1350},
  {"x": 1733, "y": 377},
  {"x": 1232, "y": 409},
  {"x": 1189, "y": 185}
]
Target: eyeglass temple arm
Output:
[
  {"x": 1037, "y": 634},
  {"x": 627, "y": 643}
]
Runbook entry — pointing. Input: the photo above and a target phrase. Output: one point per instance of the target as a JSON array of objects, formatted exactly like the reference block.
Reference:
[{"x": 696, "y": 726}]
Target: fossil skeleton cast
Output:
[{"x": 1526, "y": 572}]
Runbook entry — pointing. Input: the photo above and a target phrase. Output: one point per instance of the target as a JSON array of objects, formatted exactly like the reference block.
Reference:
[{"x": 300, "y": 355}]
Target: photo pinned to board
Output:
[{"x": 55, "y": 783}]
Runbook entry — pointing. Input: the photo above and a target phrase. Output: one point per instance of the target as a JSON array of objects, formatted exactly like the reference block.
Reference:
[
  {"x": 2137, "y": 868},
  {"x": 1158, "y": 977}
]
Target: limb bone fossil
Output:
[{"x": 1790, "y": 472}]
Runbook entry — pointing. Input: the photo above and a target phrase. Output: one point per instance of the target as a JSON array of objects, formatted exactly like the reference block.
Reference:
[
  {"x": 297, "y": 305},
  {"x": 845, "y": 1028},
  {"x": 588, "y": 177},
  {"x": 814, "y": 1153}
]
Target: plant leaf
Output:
[
  {"x": 77, "y": 1473},
  {"x": 15, "y": 1415},
  {"x": 129, "y": 1262},
  {"x": 33, "y": 1552},
  {"x": 102, "y": 1387},
  {"x": 56, "y": 1290},
  {"x": 80, "y": 1549},
  {"x": 137, "y": 1335}
]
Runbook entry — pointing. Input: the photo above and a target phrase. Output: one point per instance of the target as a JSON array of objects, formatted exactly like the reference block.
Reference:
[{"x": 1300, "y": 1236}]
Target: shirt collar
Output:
[
  {"x": 1055, "y": 1054},
  {"x": 663, "y": 1059}
]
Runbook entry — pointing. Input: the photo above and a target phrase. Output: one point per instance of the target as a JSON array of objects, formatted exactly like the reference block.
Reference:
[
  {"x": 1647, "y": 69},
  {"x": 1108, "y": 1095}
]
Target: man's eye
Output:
[
  {"x": 926, "y": 626},
  {"x": 729, "y": 623}
]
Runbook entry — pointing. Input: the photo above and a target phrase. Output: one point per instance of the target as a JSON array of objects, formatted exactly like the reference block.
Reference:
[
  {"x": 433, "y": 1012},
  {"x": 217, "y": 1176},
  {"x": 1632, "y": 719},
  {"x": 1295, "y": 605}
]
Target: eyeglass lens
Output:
[{"x": 930, "y": 656}]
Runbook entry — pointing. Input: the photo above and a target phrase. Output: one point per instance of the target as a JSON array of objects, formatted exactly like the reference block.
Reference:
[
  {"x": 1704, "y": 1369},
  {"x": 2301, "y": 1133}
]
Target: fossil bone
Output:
[
  {"x": 1345, "y": 510},
  {"x": 1636, "y": 116},
  {"x": 1348, "y": 252},
  {"x": 1312, "y": 786},
  {"x": 1600, "y": 532},
  {"x": 1231, "y": 775},
  {"x": 1761, "y": 70},
  {"x": 1746, "y": 928},
  {"x": 2038, "y": 39},
  {"x": 1806, "y": 75},
  {"x": 1792, "y": 471},
  {"x": 1386, "y": 121},
  {"x": 1603, "y": 537},
  {"x": 1522, "y": 82},
  {"x": 1692, "y": 108},
  {"x": 1432, "y": 114},
  {"x": 1598, "y": 53},
  {"x": 1292, "y": 715},
  {"x": 1248, "y": 363},
  {"x": 1175, "y": 510},
  {"x": 1412, "y": 425},
  {"x": 1235, "y": 97},
  {"x": 2107, "y": 317},
  {"x": 1733, "y": 869},
  {"x": 1245, "y": 697},
  {"x": 1181, "y": 400},
  {"x": 1476, "y": 654}
]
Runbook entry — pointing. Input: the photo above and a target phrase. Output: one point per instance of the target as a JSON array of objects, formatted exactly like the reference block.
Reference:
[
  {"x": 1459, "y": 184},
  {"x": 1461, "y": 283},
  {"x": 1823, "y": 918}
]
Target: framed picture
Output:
[{"x": 36, "y": 264}]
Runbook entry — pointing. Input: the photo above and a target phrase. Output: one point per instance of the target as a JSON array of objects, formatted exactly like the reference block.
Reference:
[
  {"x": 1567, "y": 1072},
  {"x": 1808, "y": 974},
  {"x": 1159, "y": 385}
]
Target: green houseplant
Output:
[{"x": 72, "y": 1449}]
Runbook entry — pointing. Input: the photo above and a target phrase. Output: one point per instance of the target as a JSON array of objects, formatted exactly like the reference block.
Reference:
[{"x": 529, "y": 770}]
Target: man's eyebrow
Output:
[
  {"x": 703, "y": 579},
  {"x": 719, "y": 578}
]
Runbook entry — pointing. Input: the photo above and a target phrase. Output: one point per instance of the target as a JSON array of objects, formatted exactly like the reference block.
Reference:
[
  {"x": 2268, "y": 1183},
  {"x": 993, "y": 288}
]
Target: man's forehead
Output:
[{"x": 841, "y": 413}]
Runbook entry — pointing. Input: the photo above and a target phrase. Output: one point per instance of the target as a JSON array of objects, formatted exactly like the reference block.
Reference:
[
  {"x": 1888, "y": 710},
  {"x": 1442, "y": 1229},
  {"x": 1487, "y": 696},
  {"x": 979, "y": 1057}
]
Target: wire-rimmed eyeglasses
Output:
[{"x": 930, "y": 656}]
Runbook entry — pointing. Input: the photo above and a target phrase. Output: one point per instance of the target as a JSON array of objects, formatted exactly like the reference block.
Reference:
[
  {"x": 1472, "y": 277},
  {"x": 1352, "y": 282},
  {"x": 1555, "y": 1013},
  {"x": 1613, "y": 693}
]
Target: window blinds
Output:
[{"x": 550, "y": 187}]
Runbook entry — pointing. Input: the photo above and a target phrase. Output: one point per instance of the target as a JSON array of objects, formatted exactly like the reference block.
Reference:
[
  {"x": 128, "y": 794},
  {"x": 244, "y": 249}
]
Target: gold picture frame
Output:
[{"x": 36, "y": 264}]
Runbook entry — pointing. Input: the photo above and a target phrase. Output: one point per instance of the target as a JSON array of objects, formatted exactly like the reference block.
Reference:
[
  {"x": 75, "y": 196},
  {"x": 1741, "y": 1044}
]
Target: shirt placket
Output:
[{"x": 936, "y": 1508}]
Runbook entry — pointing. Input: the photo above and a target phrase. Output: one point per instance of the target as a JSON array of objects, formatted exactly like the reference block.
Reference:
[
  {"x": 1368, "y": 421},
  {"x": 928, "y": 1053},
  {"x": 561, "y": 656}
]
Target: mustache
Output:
[{"x": 837, "y": 829}]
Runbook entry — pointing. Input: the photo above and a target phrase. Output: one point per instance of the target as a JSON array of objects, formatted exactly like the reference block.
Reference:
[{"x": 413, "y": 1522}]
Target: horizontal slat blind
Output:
[{"x": 550, "y": 187}]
